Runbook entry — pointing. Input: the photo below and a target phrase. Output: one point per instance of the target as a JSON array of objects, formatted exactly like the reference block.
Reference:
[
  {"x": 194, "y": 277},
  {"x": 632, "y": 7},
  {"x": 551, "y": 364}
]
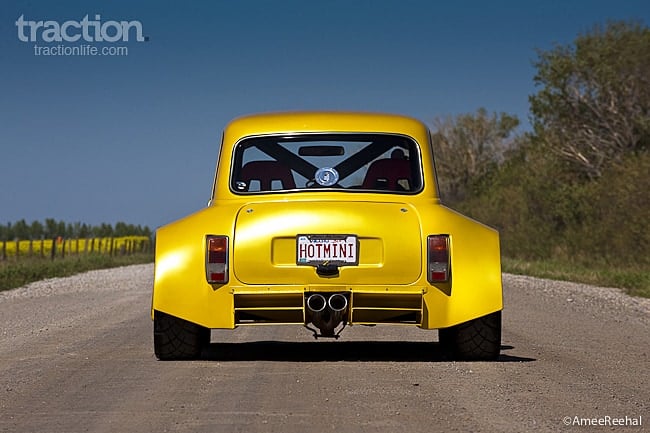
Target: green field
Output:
[{"x": 26, "y": 261}]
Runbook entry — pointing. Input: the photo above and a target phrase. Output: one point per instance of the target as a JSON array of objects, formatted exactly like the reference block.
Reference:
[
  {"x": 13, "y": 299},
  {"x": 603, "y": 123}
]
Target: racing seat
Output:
[
  {"x": 266, "y": 172},
  {"x": 387, "y": 174}
]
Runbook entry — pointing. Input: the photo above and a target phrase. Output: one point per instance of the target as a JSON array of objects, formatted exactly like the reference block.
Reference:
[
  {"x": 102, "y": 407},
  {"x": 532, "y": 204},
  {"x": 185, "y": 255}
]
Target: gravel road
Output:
[{"x": 76, "y": 355}]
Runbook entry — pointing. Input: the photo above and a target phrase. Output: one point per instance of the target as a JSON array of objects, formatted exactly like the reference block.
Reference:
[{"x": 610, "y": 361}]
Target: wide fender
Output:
[
  {"x": 180, "y": 285},
  {"x": 474, "y": 289}
]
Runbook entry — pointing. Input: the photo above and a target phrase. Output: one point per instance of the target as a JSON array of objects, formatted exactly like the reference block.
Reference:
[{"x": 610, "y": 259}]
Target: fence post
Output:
[
  {"x": 17, "y": 248},
  {"x": 53, "y": 251},
  {"x": 4, "y": 250}
]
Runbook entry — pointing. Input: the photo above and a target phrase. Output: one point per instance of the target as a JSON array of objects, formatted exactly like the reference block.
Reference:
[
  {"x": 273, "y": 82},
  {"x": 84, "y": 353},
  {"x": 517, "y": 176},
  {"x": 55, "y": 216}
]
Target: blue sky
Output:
[{"x": 134, "y": 138}]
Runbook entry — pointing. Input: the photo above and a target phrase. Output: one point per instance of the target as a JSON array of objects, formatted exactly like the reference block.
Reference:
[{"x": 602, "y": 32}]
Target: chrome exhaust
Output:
[
  {"x": 326, "y": 314},
  {"x": 316, "y": 303},
  {"x": 319, "y": 314},
  {"x": 338, "y": 303}
]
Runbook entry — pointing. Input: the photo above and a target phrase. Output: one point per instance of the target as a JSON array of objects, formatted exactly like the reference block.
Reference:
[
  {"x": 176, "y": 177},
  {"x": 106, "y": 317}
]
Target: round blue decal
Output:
[{"x": 326, "y": 176}]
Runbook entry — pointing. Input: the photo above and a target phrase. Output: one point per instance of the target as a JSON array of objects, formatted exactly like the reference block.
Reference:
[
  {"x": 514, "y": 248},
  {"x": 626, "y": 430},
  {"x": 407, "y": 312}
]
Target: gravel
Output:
[
  {"x": 581, "y": 294},
  {"x": 123, "y": 278},
  {"x": 126, "y": 278},
  {"x": 77, "y": 355}
]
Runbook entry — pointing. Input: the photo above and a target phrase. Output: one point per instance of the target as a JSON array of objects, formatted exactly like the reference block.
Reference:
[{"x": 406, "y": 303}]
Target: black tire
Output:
[
  {"x": 175, "y": 338},
  {"x": 476, "y": 340}
]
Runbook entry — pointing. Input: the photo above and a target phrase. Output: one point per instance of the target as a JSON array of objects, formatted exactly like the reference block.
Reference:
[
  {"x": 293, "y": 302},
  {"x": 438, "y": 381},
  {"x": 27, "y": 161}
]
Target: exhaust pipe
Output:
[
  {"x": 327, "y": 314},
  {"x": 319, "y": 314},
  {"x": 338, "y": 303},
  {"x": 316, "y": 303}
]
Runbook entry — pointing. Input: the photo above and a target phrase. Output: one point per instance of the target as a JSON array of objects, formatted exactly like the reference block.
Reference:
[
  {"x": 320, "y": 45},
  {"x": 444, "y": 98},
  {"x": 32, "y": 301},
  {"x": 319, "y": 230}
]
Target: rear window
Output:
[{"x": 354, "y": 162}]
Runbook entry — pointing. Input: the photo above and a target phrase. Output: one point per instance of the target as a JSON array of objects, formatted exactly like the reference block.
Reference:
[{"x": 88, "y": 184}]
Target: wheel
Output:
[
  {"x": 175, "y": 338},
  {"x": 476, "y": 340}
]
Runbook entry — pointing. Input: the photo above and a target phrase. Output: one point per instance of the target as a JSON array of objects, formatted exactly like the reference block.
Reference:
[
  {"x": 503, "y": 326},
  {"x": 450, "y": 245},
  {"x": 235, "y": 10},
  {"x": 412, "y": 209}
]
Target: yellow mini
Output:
[{"x": 326, "y": 220}]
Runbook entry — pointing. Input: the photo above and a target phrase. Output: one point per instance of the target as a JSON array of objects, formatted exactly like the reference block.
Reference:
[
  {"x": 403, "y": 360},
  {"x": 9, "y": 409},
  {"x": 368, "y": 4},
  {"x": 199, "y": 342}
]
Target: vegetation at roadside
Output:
[
  {"x": 51, "y": 228},
  {"x": 571, "y": 197},
  {"x": 43, "y": 248},
  {"x": 36, "y": 251},
  {"x": 635, "y": 280},
  {"x": 18, "y": 273}
]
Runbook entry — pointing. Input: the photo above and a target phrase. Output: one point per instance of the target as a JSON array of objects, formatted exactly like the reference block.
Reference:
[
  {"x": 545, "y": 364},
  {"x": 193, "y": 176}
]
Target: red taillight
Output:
[
  {"x": 438, "y": 258},
  {"x": 216, "y": 259}
]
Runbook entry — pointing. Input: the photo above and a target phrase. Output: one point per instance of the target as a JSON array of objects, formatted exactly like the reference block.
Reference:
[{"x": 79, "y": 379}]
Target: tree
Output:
[
  {"x": 145, "y": 231},
  {"x": 21, "y": 230},
  {"x": 5, "y": 232},
  {"x": 37, "y": 230},
  {"x": 51, "y": 228},
  {"x": 467, "y": 147},
  {"x": 122, "y": 229},
  {"x": 61, "y": 229},
  {"x": 104, "y": 231},
  {"x": 594, "y": 105}
]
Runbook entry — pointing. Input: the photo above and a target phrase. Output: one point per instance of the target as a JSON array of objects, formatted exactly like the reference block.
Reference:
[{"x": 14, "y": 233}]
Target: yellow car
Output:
[{"x": 326, "y": 220}]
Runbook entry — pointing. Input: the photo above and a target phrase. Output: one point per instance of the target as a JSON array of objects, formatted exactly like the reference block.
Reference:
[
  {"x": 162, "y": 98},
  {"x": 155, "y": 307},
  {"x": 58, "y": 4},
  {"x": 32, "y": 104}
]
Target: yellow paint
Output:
[{"x": 391, "y": 229}]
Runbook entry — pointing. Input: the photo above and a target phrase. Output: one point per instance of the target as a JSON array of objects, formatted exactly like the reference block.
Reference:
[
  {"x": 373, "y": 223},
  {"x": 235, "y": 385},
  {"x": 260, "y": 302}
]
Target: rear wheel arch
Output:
[
  {"x": 475, "y": 340},
  {"x": 175, "y": 338}
]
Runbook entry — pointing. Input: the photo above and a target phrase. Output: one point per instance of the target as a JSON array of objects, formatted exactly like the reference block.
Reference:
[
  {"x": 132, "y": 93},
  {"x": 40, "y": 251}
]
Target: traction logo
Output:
[{"x": 72, "y": 31}]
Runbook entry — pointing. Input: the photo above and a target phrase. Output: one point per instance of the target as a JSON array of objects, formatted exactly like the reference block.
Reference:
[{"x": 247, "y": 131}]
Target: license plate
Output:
[{"x": 337, "y": 250}]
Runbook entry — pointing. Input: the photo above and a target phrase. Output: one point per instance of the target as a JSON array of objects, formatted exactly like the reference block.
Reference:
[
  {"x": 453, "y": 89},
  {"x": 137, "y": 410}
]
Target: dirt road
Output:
[{"x": 76, "y": 355}]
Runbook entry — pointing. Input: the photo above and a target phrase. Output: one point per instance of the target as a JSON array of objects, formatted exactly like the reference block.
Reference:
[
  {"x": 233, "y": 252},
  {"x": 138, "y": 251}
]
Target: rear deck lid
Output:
[{"x": 372, "y": 243}]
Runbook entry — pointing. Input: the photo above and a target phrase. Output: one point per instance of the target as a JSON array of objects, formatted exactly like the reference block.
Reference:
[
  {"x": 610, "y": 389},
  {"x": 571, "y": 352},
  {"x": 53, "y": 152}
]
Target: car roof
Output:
[
  {"x": 323, "y": 121},
  {"x": 307, "y": 122}
]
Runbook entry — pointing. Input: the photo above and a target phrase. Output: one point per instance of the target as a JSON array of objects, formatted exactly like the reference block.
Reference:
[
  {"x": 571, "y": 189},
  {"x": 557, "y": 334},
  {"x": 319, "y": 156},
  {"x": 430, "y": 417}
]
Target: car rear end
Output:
[
  {"x": 368, "y": 252},
  {"x": 327, "y": 228}
]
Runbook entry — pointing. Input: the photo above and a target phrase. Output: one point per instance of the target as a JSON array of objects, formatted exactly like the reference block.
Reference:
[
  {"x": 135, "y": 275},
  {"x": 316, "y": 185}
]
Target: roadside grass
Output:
[
  {"x": 634, "y": 280},
  {"x": 24, "y": 271}
]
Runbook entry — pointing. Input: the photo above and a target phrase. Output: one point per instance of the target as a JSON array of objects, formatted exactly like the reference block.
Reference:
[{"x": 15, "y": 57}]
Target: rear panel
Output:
[{"x": 266, "y": 237}]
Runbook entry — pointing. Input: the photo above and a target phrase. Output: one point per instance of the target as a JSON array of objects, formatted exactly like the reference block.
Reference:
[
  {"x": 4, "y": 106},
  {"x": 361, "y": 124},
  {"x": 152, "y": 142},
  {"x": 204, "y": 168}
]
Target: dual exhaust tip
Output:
[
  {"x": 327, "y": 313},
  {"x": 317, "y": 303}
]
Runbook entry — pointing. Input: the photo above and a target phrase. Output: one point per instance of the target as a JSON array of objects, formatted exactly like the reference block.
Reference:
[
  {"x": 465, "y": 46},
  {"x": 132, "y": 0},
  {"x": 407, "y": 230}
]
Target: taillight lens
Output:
[
  {"x": 438, "y": 258},
  {"x": 216, "y": 259}
]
